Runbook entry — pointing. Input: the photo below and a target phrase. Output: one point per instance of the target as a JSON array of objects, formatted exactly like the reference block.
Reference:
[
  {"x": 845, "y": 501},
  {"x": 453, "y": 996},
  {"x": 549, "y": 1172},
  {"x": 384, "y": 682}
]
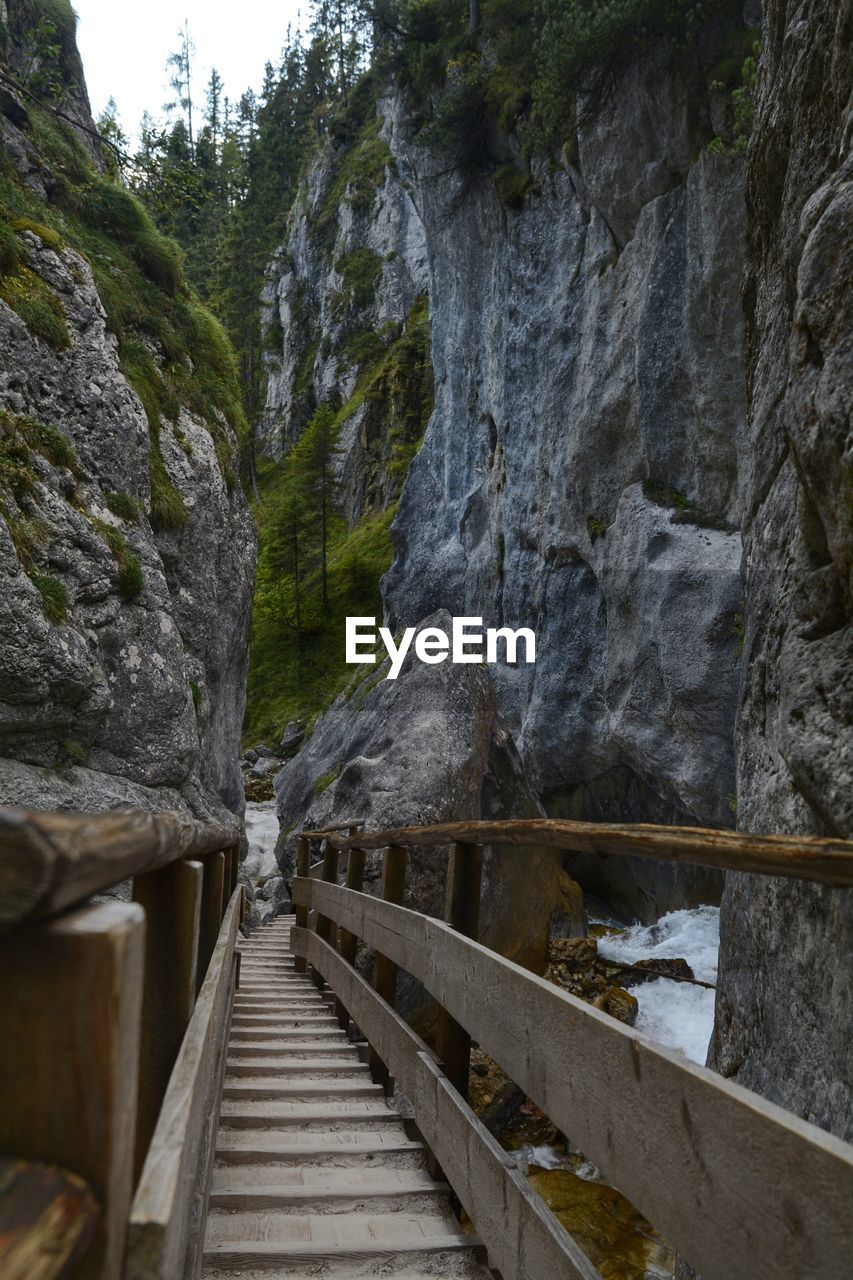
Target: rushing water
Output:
[
  {"x": 675, "y": 1014},
  {"x": 262, "y": 831}
]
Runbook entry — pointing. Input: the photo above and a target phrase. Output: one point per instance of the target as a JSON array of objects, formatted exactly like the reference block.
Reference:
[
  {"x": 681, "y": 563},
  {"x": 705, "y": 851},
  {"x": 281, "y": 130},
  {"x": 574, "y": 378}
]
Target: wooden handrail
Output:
[
  {"x": 824, "y": 859},
  {"x": 743, "y": 1189},
  {"x": 49, "y": 862}
]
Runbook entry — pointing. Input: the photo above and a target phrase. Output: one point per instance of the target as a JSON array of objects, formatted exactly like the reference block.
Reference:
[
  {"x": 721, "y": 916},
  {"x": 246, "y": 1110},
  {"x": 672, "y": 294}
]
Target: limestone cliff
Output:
[
  {"x": 579, "y": 473},
  {"x": 126, "y": 546},
  {"x": 785, "y": 1002}
]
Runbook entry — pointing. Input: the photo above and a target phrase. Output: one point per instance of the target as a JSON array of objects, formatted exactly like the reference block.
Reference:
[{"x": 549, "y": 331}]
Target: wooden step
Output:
[
  {"x": 286, "y": 1066},
  {"x": 273, "y": 1117},
  {"x": 250, "y": 1154},
  {"x": 300, "y": 1089},
  {"x": 331, "y": 1238},
  {"x": 342, "y": 1050},
  {"x": 333, "y": 1191}
]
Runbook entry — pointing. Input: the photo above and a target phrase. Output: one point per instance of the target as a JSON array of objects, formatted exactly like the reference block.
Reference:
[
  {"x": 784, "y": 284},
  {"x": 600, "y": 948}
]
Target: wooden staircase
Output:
[{"x": 314, "y": 1172}]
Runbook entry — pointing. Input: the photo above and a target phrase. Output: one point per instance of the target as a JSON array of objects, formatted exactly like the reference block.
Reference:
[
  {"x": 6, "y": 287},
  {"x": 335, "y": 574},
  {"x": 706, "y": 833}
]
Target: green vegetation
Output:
[
  {"x": 524, "y": 71},
  {"x": 360, "y": 272},
  {"x": 129, "y": 566},
  {"x": 37, "y": 305},
  {"x": 53, "y": 594},
  {"x": 742, "y": 92},
  {"x": 20, "y": 437},
  {"x": 685, "y": 509},
  {"x": 123, "y": 506},
  {"x": 325, "y": 780},
  {"x": 596, "y": 527}
]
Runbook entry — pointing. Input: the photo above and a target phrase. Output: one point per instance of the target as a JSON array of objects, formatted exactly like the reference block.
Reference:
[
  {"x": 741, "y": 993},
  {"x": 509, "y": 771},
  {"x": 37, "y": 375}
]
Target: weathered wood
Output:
[
  {"x": 47, "y": 1219},
  {"x": 781, "y": 1188},
  {"x": 330, "y": 876},
  {"x": 524, "y": 1240},
  {"x": 194, "y": 1255},
  {"x": 463, "y": 914},
  {"x": 69, "y": 1057},
  {"x": 171, "y": 900},
  {"x": 384, "y": 968},
  {"x": 348, "y": 942},
  {"x": 303, "y": 863},
  {"x": 160, "y": 1214},
  {"x": 827, "y": 860},
  {"x": 212, "y": 893},
  {"x": 49, "y": 862}
]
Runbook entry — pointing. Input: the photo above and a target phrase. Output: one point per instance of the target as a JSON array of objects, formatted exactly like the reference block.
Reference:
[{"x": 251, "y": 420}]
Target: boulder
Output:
[{"x": 292, "y": 738}]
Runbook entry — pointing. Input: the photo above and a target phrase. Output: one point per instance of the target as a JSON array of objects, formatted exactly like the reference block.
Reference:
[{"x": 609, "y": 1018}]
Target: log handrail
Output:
[
  {"x": 49, "y": 862},
  {"x": 102, "y": 1035},
  {"x": 826, "y": 860}
]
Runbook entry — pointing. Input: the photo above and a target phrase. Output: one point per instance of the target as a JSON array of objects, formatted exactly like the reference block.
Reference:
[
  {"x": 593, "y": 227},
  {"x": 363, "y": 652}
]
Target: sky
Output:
[{"x": 125, "y": 47}]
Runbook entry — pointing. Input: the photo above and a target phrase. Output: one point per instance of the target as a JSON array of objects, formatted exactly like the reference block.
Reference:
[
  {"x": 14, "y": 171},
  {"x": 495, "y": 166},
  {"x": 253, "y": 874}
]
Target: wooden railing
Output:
[
  {"x": 112, "y": 1024},
  {"x": 741, "y": 1188}
]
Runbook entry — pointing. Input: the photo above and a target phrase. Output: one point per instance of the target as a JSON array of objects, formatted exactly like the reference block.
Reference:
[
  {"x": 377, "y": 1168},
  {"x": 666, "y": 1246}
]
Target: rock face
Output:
[
  {"x": 124, "y": 648},
  {"x": 785, "y": 1000},
  {"x": 597, "y": 501},
  {"x": 429, "y": 747}
]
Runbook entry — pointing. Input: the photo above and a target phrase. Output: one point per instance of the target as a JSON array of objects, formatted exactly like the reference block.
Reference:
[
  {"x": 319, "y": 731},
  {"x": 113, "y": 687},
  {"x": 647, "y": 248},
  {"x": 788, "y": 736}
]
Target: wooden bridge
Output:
[{"x": 177, "y": 1102}]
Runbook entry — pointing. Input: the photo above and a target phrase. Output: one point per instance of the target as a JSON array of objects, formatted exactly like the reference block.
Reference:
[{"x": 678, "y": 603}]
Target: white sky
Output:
[{"x": 125, "y": 47}]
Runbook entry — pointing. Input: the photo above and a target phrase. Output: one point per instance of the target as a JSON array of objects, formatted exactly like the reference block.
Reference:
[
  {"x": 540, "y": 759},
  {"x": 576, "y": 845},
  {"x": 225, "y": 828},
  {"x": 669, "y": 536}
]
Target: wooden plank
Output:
[
  {"x": 524, "y": 1240},
  {"x": 171, "y": 900},
  {"x": 160, "y": 1214},
  {"x": 47, "y": 1220},
  {"x": 212, "y": 892},
  {"x": 330, "y": 876},
  {"x": 49, "y": 862},
  {"x": 462, "y": 913},
  {"x": 384, "y": 967},
  {"x": 743, "y": 1189},
  {"x": 824, "y": 859},
  {"x": 197, "y": 1229},
  {"x": 396, "y": 932},
  {"x": 348, "y": 942},
  {"x": 69, "y": 1057},
  {"x": 523, "y": 1237}
]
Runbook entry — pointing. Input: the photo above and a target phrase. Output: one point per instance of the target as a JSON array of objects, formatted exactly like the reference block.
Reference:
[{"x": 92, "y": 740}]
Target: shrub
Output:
[
  {"x": 513, "y": 185},
  {"x": 360, "y": 272},
  {"x": 53, "y": 594},
  {"x": 161, "y": 260}
]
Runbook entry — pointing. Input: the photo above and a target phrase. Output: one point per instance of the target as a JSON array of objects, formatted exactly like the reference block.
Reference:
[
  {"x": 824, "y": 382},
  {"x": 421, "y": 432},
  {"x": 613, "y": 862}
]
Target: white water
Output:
[
  {"x": 262, "y": 830},
  {"x": 675, "y": 1014}
]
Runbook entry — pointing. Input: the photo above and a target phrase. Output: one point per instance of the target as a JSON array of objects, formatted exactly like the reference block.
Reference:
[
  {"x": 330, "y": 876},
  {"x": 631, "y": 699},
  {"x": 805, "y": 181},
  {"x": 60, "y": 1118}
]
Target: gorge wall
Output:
[
  {"x": 785, "y": 1000},
  {"x": 126, "y": 546},
  {"x": 616, "y": 460},
  {"x": 580, "y": 470}
]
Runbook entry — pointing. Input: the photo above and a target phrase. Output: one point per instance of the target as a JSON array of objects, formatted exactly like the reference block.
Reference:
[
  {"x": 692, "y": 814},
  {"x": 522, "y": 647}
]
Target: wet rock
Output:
[
  {"x": 265, "y": 765},
  {"x": 619, "y": 1003},
  {"x": 647, "y": 970}
]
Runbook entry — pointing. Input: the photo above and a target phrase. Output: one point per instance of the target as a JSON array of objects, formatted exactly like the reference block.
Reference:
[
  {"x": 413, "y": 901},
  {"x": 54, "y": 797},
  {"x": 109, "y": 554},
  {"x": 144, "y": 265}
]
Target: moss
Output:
[
  {"x": 128, "y": 564},
  {"x": 195, "y": 690},
  {"x": 360, "y": 174},
  {"x": 513, "y": 184},
  {"x": 10, "y": 253},
  {"x": 360, "y": 272},
  {"x": 596, "y": 527},
  {"x": 122, "y": 505},
  {"x": 168, "y": 509},
  {"x": 20, "y": 437},
  {"x": 38, "y": 306},
  {"x": 47, "y": 235},
  {"x": 53, "y": 594},
  {"x": 685, "y": 511},
  {"x": 325, "y": 780},
  {"x": 73, "y": 753},
  {"x": 364, "y": 347}
]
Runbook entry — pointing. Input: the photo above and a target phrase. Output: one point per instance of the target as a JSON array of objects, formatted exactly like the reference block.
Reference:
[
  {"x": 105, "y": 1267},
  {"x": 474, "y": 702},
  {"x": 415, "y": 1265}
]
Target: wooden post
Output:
[
  {"x": 211, "y": 911},
  {"x": 348, "y": 944},
  {"x": 453, "y": 1043},
  {"x": 171, "y": 899},
  {"x": 69, "y": 1058},
  {"x": 303, "y": 863},
  {"x": 228, "y": 879},
  {"x": 384, "y": 970}
]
